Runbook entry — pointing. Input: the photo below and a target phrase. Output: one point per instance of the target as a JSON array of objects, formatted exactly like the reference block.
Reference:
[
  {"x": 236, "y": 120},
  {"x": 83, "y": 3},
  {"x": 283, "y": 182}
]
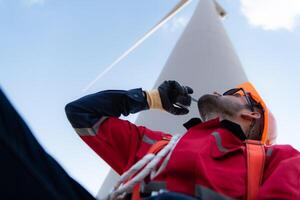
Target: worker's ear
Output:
[{"x": 250, "y": 115}]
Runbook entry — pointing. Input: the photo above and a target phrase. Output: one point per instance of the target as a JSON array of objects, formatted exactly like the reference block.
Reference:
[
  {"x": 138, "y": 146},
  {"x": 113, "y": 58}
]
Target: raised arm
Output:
[
  {"x": 119, "y": 142},
  {"x": 87, "y": 113}
]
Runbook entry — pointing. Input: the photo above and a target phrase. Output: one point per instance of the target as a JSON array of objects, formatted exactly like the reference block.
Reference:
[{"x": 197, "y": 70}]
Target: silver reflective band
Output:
[
  {"x": 148, "y": 140},
  {"x": 91, "y": 131},
  {"x": 85, "y": 131},
  {"x": 205, "y": 193},
  {"x": 219, "y": 142},
  {"x": 269, "y": 152},
  {"x": 154, "y": 186}
]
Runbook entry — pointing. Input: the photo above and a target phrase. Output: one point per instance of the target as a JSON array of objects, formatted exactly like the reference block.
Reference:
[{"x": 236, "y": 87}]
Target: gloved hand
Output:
[{"x": 172, "y": 97}]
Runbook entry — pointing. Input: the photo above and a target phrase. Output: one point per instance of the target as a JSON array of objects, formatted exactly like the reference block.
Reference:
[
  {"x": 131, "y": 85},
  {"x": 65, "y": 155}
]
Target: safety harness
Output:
[
  {"x": 155, "y": 148},
  {"x": 131, "y": 179},
  {"x": 255, "y": 166}
]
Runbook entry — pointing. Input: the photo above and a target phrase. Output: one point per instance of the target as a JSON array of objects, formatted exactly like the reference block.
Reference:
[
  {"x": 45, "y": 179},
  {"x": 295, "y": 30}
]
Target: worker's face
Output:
[{"x": 226, "y": 107}]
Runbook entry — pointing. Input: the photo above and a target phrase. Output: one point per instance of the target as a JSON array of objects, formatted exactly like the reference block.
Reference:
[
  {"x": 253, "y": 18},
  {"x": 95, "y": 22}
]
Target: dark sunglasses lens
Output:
[
  {"x": 247, "y": 96},
  {"x": 231, "y": 91}
]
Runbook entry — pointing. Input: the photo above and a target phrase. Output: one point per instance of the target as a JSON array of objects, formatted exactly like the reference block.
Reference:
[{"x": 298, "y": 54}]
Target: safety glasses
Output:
[
  {"x": 246, "y": 95},
  {"x": 233, "y": 92}
]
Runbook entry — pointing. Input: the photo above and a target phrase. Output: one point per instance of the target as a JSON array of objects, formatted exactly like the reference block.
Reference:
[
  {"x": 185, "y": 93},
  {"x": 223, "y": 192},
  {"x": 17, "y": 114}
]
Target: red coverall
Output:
[{"x": 209, "y": 162}]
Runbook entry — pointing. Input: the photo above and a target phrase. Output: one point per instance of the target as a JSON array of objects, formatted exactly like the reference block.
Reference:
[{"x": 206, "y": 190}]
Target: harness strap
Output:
[
  {"x": 255, "y": 167},
  {"x": 155, "y": 148}
]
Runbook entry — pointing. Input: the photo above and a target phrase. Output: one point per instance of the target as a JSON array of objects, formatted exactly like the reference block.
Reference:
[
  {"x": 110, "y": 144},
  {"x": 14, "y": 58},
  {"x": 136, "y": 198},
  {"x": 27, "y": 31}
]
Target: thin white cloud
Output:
[
  {"x": 272, "y": 14},
  {"x": 175, "y": 24},
  {"x": 34, "y": 2}
]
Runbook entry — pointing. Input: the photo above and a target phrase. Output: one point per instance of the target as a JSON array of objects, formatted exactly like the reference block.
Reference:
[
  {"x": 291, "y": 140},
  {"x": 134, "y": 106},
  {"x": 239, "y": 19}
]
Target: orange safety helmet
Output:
[{"x": 269, "y": 132}]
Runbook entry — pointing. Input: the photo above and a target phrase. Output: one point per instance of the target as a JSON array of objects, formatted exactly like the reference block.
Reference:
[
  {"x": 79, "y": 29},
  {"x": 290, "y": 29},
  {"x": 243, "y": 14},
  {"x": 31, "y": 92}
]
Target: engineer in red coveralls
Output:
[{"x": 227, "y": 155}]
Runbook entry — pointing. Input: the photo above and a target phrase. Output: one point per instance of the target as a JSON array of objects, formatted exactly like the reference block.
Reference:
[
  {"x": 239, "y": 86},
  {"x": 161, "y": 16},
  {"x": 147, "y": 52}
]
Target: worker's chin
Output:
[
  {"x": 208, "y": 116},
  {"x": 207, "y": 106}
]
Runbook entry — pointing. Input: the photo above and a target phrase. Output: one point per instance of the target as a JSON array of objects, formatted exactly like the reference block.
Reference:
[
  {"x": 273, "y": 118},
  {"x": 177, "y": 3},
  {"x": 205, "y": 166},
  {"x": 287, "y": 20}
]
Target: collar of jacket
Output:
[
  {"x": 227, "y": 137},
  {"x": 229, "y": 125}
]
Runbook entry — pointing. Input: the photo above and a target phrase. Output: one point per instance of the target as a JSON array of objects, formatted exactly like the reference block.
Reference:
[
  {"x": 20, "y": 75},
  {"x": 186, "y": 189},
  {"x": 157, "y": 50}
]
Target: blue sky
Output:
[{"x": 51, "y": 49}]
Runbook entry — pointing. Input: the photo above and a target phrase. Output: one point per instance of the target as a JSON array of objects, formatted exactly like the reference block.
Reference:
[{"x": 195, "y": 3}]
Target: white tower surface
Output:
[{"x": 204, "y": 59}]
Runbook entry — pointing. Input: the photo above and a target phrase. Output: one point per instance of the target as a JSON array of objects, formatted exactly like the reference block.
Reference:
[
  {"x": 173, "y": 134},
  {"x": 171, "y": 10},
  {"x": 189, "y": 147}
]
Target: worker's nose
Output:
[{"x": 217, "y": 94}]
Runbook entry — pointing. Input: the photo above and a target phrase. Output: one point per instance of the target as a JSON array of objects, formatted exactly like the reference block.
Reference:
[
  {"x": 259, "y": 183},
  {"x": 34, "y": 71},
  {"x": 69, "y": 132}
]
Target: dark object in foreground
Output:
[{"x": 26, "y": 170}]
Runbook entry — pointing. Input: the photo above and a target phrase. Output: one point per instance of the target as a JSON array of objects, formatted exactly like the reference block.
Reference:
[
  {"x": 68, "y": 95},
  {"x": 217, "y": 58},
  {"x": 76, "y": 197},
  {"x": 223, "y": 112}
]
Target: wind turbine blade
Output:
[{"x": 179, "y": 6}]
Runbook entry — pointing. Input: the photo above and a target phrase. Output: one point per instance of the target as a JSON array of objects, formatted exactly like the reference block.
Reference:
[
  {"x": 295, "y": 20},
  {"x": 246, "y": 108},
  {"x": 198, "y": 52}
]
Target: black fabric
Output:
[
  {"x": 192, "y": 122},
  {"x": 234, "y": 128},
  {"x": 86, "y": 111},
  {"x": 26, "y": 170}
]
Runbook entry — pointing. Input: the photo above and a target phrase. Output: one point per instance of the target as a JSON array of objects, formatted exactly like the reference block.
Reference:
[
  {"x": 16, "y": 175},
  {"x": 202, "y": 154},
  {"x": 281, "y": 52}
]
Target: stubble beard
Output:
[{"x": 211, "y": 106}]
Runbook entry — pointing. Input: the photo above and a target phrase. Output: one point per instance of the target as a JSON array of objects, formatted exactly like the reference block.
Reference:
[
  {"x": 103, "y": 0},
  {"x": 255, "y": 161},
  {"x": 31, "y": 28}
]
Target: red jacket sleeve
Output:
[
  {"x": 121, "y": 143},
  {"x": 95, "y": 119}
]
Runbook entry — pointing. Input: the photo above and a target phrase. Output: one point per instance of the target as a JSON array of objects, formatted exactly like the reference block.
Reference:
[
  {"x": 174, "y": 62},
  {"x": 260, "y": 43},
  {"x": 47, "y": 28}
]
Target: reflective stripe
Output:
[
  {"x": 85, "y": 131},
  {"x": 269, "y": 152},
  {"x": 219, "y": 142},
  {"x": 148, "y": 140},
  {"x": 205, "y": 193},
  {"x": 100, "y": 121},
  {"x": 91, "y": 131},
  {"x": 153, "y": 186}
]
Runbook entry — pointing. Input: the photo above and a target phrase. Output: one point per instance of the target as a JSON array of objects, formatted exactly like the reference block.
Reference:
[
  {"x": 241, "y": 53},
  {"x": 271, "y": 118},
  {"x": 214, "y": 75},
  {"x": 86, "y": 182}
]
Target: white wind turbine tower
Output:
[{"x": 203, "y": 58}]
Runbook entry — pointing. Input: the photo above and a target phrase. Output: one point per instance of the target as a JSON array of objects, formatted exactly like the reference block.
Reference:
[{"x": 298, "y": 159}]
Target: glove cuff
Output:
[{"x": 153, "y": 99}]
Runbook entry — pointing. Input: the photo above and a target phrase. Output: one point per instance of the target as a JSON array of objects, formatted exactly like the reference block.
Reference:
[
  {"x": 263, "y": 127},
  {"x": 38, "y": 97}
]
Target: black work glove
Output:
[{"x": 175, "y": 98}]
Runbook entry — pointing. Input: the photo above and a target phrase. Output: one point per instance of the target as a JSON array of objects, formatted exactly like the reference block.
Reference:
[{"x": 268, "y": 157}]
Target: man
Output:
[{"x": 223, "y": 157}]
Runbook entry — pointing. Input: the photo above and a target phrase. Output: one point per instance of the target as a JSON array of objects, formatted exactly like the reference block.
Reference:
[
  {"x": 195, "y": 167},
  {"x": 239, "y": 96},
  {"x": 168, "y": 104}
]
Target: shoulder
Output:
[
  {"x": 282, "y": 150},
  {"x": 282, "y": 160},
  {"x": 278, "y": 154}
]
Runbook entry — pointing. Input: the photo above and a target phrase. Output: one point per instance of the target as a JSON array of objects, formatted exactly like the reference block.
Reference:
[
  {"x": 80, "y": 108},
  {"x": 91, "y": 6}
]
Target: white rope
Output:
[
  {"x": 149, "y": 161},
  {"x": 154, "y": 173},
  {"x": 134, "y": 169}
]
